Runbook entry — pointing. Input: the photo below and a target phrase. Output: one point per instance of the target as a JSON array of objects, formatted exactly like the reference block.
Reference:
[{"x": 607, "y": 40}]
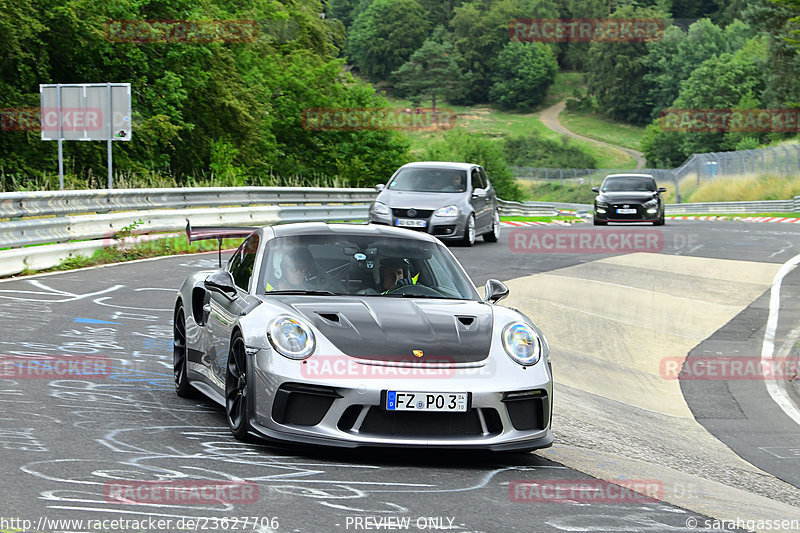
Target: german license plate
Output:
[
  {"x": 411, "y": 222},
  {"x": 626, "y": 211},
  {"x": 454, "y": 402}
]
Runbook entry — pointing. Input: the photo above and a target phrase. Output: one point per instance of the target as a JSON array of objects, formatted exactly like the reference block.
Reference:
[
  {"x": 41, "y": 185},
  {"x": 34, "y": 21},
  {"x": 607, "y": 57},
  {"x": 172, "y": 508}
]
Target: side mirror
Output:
[
  {"x": 494, "y": 291},
  {"x": 379, "y": 187},
  {"x": 662, "y": 189},
  {"x": 595, "y": 189},
  {"x": 221, "y": 282},
  {"x": 479, "y": 193}
]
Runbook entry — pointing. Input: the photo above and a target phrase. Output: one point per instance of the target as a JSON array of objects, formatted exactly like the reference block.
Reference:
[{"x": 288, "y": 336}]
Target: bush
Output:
[
  {"x": 523, "y": 73},
  {"x": 536, "y": 151}
]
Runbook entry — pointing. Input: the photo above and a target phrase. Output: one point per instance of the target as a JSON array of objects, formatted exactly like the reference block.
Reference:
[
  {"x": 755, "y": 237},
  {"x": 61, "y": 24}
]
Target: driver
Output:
[
  {"x": 296, "y": 265},
  {"x": 393, "y": 274}
]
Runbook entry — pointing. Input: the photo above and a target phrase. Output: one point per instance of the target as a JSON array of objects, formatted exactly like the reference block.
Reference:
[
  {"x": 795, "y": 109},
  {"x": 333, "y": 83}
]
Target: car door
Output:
[
  {"x": 478, "y": 200},
  {"x": 225, "y": 311},
  {"x": 491, "y": 199}
]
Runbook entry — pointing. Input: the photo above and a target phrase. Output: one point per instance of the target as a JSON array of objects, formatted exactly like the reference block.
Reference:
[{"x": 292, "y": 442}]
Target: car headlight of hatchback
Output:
[
  {"x": 291, "y": 338},
  {"x": 380, "y": 208},
  {"x": 522, "y": 343},
  {"x": 447, "y": 211},
  {"x": 651, "y": 203}
]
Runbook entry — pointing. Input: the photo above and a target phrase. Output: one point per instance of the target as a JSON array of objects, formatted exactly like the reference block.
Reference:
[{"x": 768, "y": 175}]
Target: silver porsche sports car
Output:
[{"x": 360, "y": 335}]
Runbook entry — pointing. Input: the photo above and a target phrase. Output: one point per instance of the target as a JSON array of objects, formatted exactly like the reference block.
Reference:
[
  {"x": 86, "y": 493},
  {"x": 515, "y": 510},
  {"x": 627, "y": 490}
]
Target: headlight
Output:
[
  {"x": 379, "y": 208},
  {"x": 601, "y": 204},
  {"x": 449, "y": 211},
  {"x": 651, "y": 203},
  {"x": 522, "y": 343},
  {"x": 291, "y": 338}
]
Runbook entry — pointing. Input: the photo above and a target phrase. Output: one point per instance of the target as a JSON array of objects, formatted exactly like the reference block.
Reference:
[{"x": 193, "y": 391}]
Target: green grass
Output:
[
  {"x": 603, "y": 129},
  {"x": 498, "y": 124},
  {"x": 539, "y": 219},
  {"x": 546, "y": 191},
  {"x": 563, "y": 87}
]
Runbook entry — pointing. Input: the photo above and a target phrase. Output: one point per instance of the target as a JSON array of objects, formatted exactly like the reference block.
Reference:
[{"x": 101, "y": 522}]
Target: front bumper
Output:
[
  {"x": 290, "y": 404},
  {"x": 609, "y": 214},
  {"x": 444, "y": 228}
]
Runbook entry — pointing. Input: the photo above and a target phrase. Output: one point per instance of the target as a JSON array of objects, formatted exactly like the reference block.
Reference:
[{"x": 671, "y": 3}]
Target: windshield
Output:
[
  {"x": 429, "y": 180},
  {"x": 362, "y": 265},
  {"x": 631, "y": 183}
]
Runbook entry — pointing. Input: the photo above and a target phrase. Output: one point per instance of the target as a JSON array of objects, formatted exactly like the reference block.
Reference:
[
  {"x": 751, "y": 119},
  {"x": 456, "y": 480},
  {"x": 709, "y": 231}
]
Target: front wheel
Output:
[
  {"x": 469, "y": 232},
  {"x": 493, "y": 235},
  {"x": 236, "y": 390},
  {"x": 179, "y": 352},
  {"x": 599, "y": 222}
]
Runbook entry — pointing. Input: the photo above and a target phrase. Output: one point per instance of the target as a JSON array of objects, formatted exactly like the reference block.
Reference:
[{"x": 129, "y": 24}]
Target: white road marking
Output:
[{"x": 776, "y": 392}]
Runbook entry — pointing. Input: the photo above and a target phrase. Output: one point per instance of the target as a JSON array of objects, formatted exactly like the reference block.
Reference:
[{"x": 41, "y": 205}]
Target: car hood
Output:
[
  {"x": 387, "y": 328},
  {"x": 633, "y": 197},
  {"x": 419, "y": 200}
]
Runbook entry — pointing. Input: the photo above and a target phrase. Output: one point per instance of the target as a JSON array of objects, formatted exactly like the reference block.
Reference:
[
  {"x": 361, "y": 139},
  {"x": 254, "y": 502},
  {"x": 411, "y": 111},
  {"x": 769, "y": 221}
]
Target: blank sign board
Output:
[{"x": 86, "y": 111}]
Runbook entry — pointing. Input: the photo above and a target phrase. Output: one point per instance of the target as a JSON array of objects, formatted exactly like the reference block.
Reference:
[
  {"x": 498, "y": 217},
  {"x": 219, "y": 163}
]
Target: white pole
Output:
[
  {"x": 60, "y": 140},
  {"x": 110, "y": 134}
]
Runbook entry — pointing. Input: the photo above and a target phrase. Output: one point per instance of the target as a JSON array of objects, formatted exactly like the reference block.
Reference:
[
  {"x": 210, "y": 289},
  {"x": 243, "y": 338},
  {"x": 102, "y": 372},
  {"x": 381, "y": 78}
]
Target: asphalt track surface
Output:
[{"x": 65, "y": 443}]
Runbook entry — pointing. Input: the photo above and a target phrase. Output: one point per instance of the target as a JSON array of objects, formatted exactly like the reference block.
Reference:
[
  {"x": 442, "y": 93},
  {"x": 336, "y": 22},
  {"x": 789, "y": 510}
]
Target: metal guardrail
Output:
[
  {"x": 65, "y": 217},
  {"x": 45, "y": 203},
  {"x": 527, "y": 209},
  {"x": 762, "y": 206}
]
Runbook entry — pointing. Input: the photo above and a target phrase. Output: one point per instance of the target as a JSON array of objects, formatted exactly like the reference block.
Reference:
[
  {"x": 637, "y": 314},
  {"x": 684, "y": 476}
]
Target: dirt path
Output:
[{"x": 549, "y": 118}]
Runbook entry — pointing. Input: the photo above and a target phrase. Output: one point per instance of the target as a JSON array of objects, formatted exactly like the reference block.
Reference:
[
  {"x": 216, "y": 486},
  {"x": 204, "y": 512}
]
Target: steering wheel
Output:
[{"x": 421, "y": 290}]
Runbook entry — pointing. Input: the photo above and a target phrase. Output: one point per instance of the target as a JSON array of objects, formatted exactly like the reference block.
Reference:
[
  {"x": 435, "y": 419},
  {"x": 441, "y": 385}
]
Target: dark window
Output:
[
  {"x": 241, "y": 264},
  {"x": 477, "y": 180}
]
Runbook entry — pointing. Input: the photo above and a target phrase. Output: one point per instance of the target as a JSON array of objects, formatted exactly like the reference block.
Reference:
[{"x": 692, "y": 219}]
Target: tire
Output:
[
  {"x": 179, "y": 356},
  {"x": 237, "y": 412},
  {"x": 660, "y": 221},
  {"x": 469, "y": 232},
  {"x": 599, "y": 222},
  {"x": 494, "y": 234}
]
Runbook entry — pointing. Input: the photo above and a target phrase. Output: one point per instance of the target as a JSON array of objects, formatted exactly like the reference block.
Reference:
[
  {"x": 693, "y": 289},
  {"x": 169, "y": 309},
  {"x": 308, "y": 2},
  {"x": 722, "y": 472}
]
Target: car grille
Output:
[
  {"x": 613, "y": 211},
  {"x": 402, "y": 424},
  {"x": 415, "y": 213}
]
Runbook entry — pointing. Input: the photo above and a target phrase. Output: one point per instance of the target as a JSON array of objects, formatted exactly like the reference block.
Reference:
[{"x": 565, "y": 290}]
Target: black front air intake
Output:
[{"x": 302, "y": 405}]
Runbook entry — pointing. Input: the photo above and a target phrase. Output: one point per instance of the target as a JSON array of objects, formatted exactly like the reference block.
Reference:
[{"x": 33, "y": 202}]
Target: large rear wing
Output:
[{"x": 205, "y": 233}]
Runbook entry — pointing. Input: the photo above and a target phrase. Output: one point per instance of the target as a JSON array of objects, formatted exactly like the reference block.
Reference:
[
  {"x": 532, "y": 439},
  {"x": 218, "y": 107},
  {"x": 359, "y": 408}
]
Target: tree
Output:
[
  {"x": 480, "y": 31},
  {"x": 670, "y": 60},
  {"x": 616, "y": 78},
  {"x": 730, "y": 81},
  {"x": 431, "y": 71},
  {"x": 385, "y": 35},
  {"x": 523, "y": 73}
]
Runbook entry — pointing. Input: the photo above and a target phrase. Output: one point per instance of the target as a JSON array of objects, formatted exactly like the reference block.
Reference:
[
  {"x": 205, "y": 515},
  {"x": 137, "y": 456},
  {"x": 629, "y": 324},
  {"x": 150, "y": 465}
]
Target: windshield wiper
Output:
[{"x": 305, "y": 292}]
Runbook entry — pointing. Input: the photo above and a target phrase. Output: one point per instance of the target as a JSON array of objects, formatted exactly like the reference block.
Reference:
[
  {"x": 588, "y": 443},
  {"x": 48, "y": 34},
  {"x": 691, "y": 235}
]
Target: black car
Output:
[{"x": 629, "y": 198}]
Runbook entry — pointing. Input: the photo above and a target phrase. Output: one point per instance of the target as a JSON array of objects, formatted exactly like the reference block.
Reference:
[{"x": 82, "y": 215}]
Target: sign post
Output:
[{"x": 85, "y": 112}]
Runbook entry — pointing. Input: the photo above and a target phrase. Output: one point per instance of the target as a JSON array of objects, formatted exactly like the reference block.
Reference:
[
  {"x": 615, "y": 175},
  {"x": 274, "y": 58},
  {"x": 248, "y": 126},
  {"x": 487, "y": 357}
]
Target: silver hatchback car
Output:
[{"x": 453, "y": 201}]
